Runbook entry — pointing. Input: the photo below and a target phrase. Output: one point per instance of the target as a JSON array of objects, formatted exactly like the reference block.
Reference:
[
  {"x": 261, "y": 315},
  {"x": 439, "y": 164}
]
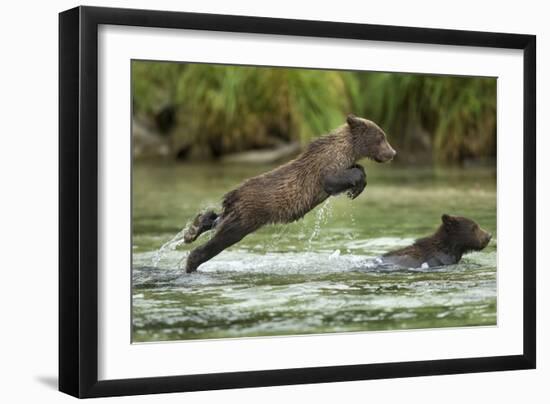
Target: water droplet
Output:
[{"x": 321, "y": 217}]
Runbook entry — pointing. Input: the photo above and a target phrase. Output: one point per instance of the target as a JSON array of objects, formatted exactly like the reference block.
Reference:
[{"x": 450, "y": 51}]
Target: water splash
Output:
[
  {"x": 351, "y": 234},
  {"x": 170, "y": 245},
  {"x": 334, "y": 255},
  {"x": 176, "y": 241},
  {"x": 323, "y": 214},
  {"x": 306, "y": 292},
  {"x": 182, "y": 260}
]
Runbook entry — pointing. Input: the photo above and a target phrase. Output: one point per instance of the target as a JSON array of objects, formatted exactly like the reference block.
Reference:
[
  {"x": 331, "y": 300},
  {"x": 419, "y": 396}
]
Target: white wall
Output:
[{"x": 28, "y": 167}]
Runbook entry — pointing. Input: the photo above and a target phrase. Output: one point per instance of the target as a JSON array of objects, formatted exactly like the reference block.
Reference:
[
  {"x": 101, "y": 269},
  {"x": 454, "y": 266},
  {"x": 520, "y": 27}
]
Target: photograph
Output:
[{"x": 272, "y": 201}]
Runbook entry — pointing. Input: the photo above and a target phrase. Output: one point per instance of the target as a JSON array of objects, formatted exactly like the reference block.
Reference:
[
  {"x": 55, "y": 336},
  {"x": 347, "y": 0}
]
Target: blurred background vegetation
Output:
[{"x": 197, "y": 111}]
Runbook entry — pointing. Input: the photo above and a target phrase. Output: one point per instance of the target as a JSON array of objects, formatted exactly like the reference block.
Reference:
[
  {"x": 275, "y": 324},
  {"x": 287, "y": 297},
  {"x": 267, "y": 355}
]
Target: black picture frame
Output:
[{"x": 78, "y": 201}]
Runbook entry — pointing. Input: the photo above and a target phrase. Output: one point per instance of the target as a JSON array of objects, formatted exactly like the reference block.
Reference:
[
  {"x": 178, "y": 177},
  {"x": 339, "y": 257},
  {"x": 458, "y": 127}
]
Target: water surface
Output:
[{"x": 315, "y": 275}]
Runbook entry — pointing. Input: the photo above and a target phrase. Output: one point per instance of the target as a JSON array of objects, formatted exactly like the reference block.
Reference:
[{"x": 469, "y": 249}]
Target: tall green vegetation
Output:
[
  {"x": 223, "y": 109},
  {"x": 454, "y": 116}
]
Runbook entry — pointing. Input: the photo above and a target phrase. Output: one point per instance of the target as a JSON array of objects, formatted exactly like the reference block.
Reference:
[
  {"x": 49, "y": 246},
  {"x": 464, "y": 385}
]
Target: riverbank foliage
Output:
[{"x": 218, "y": 109}]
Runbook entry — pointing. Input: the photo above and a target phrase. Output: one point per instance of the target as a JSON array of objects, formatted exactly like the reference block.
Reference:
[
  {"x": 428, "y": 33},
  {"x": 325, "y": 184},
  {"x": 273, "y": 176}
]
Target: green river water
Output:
[{"x": 315, "y": 275}]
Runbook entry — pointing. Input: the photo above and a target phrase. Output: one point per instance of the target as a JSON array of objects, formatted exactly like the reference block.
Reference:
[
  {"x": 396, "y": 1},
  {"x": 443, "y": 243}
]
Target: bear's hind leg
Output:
[
  {"x": 228, "y": 233},
  {"x": 203, "y": 222}
]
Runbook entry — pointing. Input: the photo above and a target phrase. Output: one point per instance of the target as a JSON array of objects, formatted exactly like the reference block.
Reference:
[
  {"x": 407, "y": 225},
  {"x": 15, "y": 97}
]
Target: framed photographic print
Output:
[{"x": 250, "y": 201}]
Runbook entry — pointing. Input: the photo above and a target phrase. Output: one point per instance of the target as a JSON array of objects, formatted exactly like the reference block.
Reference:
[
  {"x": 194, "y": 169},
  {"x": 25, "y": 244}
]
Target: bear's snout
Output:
[
  {"x": 487, "y": 237},
  {"x": 387, "y": 154}
]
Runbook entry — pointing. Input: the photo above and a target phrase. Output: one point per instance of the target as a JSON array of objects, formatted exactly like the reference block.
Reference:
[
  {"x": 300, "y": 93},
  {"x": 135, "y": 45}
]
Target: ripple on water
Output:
[{"x": 246, "y": 293}]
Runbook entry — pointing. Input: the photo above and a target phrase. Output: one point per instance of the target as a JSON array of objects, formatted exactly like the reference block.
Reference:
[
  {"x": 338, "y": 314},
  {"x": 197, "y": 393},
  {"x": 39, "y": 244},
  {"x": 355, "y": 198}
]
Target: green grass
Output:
[{"x": 222, "y": 109}]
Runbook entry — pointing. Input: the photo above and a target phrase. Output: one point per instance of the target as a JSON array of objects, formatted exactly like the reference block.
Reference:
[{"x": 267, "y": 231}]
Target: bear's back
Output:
[{"x": 288, "y": 192}]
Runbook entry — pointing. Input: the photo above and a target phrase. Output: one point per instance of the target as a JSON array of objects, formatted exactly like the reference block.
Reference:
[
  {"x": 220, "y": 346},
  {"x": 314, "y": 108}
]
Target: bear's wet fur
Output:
[
  {"x": 455, "y": 237},
  {"x": 327, "y": 167}
]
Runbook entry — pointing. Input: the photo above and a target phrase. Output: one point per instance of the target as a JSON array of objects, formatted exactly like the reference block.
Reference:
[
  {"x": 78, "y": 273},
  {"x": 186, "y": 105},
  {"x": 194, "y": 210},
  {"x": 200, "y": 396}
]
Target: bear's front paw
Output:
[
  {"x": 360, "y": 168},
  {"x": 359, "y": 185},
  {"x": 355, "y": 191}
]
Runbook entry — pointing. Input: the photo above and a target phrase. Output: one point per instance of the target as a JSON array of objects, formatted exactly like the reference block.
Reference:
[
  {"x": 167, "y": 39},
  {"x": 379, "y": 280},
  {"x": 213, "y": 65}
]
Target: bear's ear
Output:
[
  {"x": 447, "y": 220},
  {"x": 353, "y": 121}
]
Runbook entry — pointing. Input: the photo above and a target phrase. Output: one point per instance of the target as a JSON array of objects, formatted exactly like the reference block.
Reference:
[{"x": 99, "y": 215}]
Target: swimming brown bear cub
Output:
[
  {"x": 327, "y": 167},
  {"x": 455, "y": 236}
]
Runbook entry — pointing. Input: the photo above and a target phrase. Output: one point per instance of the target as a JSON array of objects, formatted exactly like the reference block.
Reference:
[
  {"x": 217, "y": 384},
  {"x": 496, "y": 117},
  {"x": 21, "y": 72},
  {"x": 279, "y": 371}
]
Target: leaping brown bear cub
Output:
[
  {"x": 455, "y": 237},
  {"x": 327, "y": 167}
]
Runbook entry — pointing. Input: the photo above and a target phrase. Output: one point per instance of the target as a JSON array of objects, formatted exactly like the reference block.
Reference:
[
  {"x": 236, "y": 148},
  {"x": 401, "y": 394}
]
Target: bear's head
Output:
[
  {"x": 464, "y": 234},
  {"x": 369, "y": 140}
]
